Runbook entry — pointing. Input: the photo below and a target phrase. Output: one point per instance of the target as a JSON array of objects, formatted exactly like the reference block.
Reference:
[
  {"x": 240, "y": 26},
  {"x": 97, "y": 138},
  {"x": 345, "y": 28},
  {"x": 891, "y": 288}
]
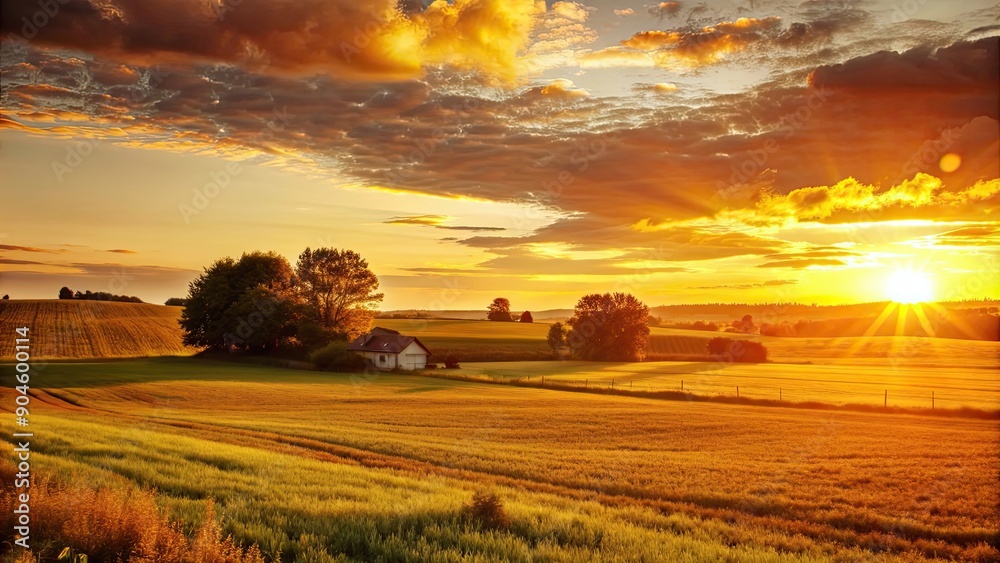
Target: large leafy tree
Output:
[
  {"x": 609, "y": 327},
  {"x": 339, "y": 290},
  {"x": 499, "y": 310},
  {"x": 248, "y": 303}
]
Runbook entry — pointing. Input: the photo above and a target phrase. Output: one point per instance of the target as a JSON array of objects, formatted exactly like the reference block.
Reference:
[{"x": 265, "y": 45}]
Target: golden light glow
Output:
[
  {"x": 908, "y": 286},
  {"x": 950, "y": 162}
]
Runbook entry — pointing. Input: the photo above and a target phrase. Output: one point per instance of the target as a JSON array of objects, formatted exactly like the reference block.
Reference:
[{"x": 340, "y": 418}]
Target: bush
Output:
[
  {"x": 431, "y": 366},
  {"x": 336, "y": 357},
  {"x": 747, "y": 351},
  {"x": 487, "y": 511},
  {"x": 451, "y": 362},
  {"x": 176, "y": 302}
]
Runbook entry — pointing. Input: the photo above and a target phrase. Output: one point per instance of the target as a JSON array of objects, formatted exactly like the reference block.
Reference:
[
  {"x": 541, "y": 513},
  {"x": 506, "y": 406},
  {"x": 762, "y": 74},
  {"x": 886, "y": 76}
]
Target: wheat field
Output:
[
  {"x": 331, "y": 467},
  {"x": 73, "y": 329}
]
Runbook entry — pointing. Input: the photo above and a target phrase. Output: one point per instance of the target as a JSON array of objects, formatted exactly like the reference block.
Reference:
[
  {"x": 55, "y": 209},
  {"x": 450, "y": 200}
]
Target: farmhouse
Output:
[{"x": 387, "y": 349}]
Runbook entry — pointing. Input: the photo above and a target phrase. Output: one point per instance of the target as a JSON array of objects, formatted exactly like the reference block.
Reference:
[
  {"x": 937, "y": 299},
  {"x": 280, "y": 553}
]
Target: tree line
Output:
[
  {"x": 67, "y": 293},
  {"x": 262, "y": 303}
]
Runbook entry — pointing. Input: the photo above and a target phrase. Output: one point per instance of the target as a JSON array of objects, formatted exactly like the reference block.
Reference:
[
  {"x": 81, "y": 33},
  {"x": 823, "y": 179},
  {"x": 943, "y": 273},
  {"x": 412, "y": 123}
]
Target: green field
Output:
[{"x": 328, "y": 467}]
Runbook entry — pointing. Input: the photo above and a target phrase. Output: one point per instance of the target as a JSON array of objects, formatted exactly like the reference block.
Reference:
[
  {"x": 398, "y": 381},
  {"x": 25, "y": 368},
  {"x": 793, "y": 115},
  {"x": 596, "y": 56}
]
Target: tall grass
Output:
[{"x": 114, "y": 524}]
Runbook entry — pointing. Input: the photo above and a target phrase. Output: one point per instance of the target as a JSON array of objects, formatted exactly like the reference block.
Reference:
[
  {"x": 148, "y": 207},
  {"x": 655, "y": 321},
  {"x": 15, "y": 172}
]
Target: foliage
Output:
[
  {"x": 176, "y": 302},
  {"x": 609, "y": 327},
  {"x": 487, "y": 511},
  {"x": 654, "y": 321},
  {"x": 526, "y": 317},
  {"x": 336, "y": 357},
  {"x": 499, "y": 310},
  {"x": 339, "y": 290},
  {"x": 65, "y": 293},
  {"x": 738, "y": 350},
  {"x": 556, "y": 338},
  {"x": 311, "y": 335},
  {"x": 247, "y": 303},
  {"x": 105, "y": 296},
  {"x": 451, "y": 362},
  {"x": 696, "y": 325},
  {"x": 6, "y": 297}
]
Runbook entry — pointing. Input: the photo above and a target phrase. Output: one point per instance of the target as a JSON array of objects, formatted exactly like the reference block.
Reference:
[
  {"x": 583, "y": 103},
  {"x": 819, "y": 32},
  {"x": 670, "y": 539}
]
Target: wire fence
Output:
[{"x": 798, "y": 390}]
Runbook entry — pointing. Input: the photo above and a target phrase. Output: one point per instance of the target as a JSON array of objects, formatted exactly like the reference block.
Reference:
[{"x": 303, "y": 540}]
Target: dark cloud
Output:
[
  {"x": 347, "y": 38},
  {"x": 437, "y": 221},
  {"x": 122, "y": 251}
]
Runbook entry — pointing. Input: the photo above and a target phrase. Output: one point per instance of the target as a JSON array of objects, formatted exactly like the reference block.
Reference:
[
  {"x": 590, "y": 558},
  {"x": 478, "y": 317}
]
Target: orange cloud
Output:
[
  {"x": 924, "y": 196},
  {"x": 364, "y": 39},
  {"x": 685, "y": 50}
]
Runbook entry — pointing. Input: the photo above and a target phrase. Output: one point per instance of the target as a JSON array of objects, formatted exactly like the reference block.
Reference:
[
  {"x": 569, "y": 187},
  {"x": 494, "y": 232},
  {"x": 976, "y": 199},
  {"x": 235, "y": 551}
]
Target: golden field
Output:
[
  {"x": 331, "y": 467},
  {"x": 73, "y": 329}
]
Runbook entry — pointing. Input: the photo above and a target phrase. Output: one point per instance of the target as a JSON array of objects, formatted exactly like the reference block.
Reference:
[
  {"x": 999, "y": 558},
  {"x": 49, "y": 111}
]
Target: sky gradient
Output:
[{"x": 687, "y": 152}]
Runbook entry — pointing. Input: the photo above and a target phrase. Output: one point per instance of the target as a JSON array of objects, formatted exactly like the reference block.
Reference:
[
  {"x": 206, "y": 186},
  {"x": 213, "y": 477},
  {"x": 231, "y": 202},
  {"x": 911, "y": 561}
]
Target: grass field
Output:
[
  {"x": 329, "y": 467},
  {"x": 94, "y": 329},
  {"x": 837, "y": 384}
]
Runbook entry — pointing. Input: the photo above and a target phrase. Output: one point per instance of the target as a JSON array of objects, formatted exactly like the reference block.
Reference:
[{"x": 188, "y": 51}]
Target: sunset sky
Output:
[{"x": 686, "y": 152}]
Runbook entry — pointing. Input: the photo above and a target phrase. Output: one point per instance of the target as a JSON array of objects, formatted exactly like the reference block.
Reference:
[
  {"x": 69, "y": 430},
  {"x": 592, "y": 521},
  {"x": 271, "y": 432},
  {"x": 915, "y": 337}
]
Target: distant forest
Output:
[{"x": 67, "y": 293}]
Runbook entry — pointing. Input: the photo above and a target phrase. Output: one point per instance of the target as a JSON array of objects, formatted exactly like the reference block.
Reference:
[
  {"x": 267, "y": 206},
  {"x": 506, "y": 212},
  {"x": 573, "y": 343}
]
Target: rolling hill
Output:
[{"x": 92, "y": 329}]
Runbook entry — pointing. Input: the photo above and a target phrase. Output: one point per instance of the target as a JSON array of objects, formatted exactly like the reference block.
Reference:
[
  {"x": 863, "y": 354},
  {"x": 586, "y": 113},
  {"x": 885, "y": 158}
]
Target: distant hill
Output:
[{"x": 72, "y": 329}]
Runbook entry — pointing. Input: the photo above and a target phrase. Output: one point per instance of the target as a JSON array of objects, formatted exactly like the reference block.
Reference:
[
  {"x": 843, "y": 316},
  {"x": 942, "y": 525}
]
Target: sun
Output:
[{"x": 908, "y": 286}]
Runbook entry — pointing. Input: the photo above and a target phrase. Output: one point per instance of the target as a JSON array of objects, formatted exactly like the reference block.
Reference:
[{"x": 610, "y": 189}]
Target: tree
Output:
[
  {"x": 6, "y": 297},
  {"x": 526, "y": 317},
  {"x": 175, "y": 302},
  {"x": 609, "y": 327},
  {"x": 338, "y": 289},
  {"x": 556, "y": 338},
  {"x": 499, "y": 310},
  {"x": 248, "y": 303},
  {"x": 65, "y": 293}
]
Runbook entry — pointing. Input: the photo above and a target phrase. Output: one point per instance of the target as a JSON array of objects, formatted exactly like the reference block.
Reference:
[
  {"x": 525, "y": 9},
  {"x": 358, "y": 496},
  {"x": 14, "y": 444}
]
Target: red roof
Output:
[{"x": 385, "y": 341}]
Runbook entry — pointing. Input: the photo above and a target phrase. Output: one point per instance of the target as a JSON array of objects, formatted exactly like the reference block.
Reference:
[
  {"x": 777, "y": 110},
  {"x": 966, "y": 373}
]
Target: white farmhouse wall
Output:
[{"x": 413, "y": 357}]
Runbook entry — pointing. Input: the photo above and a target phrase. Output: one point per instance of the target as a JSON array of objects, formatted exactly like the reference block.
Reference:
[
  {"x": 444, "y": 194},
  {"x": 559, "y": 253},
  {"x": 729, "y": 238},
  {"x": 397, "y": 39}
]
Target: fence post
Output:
[
  {"x": 612, "y": 384},
  {"x": 629, "y": 383},
  {"x": 682, "y": 385},
  {"x": 737, "y": 391},
  {"x": 885, "y": 401}
]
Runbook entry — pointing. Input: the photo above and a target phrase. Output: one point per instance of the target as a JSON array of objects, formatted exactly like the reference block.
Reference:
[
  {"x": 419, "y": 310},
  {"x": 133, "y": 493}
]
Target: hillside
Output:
[{"x": 92, "y": 329}]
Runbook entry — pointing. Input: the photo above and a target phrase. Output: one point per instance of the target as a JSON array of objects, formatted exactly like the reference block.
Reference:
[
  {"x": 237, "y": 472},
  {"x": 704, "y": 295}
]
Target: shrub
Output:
[
  {"x": 487, "y": 511},
  {"x": 336, "y": 357},
  {"x": 431, "y": 366},
  {"x": 737, "y": 350},
  {"x": 526, "y": 317},
  {"x": 451, "y": 362},
  {"x": 176, "y": 302}
]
